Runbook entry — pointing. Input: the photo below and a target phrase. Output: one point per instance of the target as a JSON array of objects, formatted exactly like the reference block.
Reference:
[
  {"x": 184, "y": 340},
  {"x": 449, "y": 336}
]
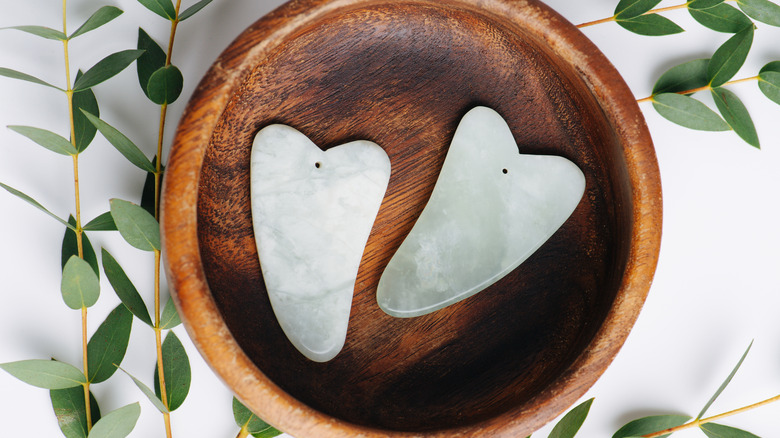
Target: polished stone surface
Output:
[
  {"x": 490, "y": 210},
  {"x": 312, "y": 213}
]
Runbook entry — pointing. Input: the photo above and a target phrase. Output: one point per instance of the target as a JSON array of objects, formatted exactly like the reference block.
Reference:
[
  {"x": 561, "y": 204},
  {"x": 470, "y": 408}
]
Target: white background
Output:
[{"x": 716, "y": 287}]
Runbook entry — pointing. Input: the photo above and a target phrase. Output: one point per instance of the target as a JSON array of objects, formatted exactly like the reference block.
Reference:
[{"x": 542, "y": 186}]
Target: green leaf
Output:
[
  {"x": 47, "y": 374},
  {"x": 136, "y": 225},
  {"x": 724, "y": 384},
  {"x": 769, "y": 81},
  {"x": 176, "y": 367},
  {"x": 728, "y": 59},
  {"x": 84, "y": 131},
  {"x": 170, "y": 316},
  {"x": 734, "y": 112},
  {"x": 147, "y": 194},
  {"x": 99, "y": 18},
  {"x": 688, "y": 112},
  {"x": 106, "y": 68},
  {"x": 704, "y": 4},
  {"x": 80, "y": 286},
  {"x": 147, "y": 392},
  {"x": 117, "y": 424},
  {"x": 49, "y": 140},
  {"x": 68, "y": 405},
  {"x": 713, "y": 430},
  {"x": 650, "y": 25},
  {"x": 165, "y": 85},
  {"x": 70, "y": 247},
  {"x": 255, "y": 425},
  {"x": 163, "y": 8},
  {"x": 634, "y": 8},
  {"x": 721, "y": 18},
  {"x": 104, "y": 222},
  {"x": 35, "y": 204},
  {"x": 45, "y": 32},
  {"x": 124, "y": 288},
  {"x": 571, "y": 422},
  {"x": 648, "y": 425},
  {"x": 13, "y": 74},
  {"x": 688, "y": 76},
  {"x": 152, "y": 60},
  {"x": 761, "y": 10},
  {"x": 123, "y": 144},
  {"x": 194, "y": 9},
  {"x": 108, "y": 345}
]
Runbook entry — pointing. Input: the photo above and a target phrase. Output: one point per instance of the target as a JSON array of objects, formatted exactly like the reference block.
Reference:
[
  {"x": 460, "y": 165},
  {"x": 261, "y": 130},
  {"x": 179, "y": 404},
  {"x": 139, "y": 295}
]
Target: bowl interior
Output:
[{"x": 402, "y": 75}]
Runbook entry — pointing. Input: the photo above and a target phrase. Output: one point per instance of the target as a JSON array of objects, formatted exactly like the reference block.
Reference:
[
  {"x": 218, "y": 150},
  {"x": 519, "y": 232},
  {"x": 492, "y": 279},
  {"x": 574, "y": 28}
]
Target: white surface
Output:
[
  {"x": 716, "y": 287},
  {"x": 312, "y": 213},
  {"x": 490, "y": 210}
]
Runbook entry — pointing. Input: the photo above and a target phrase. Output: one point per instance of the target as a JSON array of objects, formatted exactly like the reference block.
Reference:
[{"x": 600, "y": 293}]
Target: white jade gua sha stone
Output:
[
  {"x": 491, "y": 208},
  {"x": 312, "y": 213}
]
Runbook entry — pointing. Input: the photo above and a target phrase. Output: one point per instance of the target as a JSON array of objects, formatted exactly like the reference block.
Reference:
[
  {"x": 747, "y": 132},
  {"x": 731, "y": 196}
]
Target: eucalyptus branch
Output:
[
  {"x": 652, "y": 11},
  {"x": 704, "y": 88}
]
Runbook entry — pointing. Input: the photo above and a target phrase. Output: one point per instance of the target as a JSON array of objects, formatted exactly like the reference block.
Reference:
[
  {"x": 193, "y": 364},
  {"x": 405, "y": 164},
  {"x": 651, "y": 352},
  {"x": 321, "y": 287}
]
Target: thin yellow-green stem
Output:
[
  {"x": 243, "y": 433},
  {"x": 697, "y": 423},
  {"x": 704, "y": 88},
  {"x": 654, "y": 11}
]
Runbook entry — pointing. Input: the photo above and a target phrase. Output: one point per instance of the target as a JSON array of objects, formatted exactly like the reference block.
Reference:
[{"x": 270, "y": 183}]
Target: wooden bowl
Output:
[{"x": 402, "y": 73}]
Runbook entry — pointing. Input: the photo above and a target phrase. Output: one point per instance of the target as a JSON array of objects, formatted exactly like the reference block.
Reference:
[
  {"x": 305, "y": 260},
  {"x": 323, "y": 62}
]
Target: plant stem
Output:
[
  {"x": 697, "y": 423},
  {"x": 243, "y": 433},
  {"x": 704, "y": 88},
  {"x": 654, "y": 11}
]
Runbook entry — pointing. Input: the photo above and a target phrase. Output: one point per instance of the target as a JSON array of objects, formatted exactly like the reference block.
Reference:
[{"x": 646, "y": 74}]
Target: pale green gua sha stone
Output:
[
  {"x": 491, "y": 208},
  {"x": 312, "y": 213}
]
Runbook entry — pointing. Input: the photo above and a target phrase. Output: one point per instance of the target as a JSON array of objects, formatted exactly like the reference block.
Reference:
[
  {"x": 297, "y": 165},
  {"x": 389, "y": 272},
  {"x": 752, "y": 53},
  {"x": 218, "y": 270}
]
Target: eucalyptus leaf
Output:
[
  {"x": 650, "y": 25},
  {"x": 571, "y": 422},
  {"x": 136, "y": 225},
  {"x": 41, "y": 31},
  {"x": 634, "y": 8},
  {"x": 68, "y": 406},
  {"x": 734, "y": 112},
  {"x": 724, "y": 384},
  {"x": 648, "y": 425},
  {"x": 123, "y": 144},
  {"x": 124, "y": 288},
  {"x": 165, "y": 85},
  {"x": 148, "y": 192},
  {"x": 99, "y": 18},
  {"x": 70, "y": 247},
  {"x": 714, "y": 430},
  {"x": 147, "y": 392},
  {"x": 153, "y": 59},
  {"x": 84, "y": 131},
  {"x": 170, "y": 316},
  {"x": 163, "y": 8},
  {"x": 49, "y": 140},
  {"x": 176, "y": 369},
  {"x": 729, "y": 58},
  {"x": 721, "y": 18},
  {"x": 104, "y": 222},
  {"x": 704, "y": 4},
  {"x": 106, "y": 68},
  {"x": 687, "y": 76},
  {"x": 107, "y": 347},
  {"x": 761, "y": 10},
  {"x": 13, "y": 74},
  {"x": 47, "y": 374},
  {"x": 80, "y": 286},
  {"x": 769, "y": 81},
  {"x": 254, "y": 425},
  {"x": 194, "y": 9},
  {"x": 35, "y": 204},
  {"x": 118, "y": 423},
  {"x": 688, "y": 112}
]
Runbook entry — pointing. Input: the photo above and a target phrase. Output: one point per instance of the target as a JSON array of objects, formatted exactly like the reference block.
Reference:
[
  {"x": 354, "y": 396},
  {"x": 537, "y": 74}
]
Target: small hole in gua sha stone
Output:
[
  {"x": 317, "y": 164},
  {"x": 505, "y": 171}
]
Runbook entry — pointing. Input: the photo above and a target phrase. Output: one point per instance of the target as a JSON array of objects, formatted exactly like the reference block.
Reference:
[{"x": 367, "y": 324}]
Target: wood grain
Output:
[{"x": 402, "y": 74}]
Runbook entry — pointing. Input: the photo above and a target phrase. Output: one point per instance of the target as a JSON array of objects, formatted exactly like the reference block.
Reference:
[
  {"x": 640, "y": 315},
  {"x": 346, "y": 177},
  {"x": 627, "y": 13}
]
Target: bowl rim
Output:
[{"x": 202, "y": 317}]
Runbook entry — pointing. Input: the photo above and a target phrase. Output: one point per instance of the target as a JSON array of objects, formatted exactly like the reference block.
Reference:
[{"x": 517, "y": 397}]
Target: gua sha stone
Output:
[
  {"x": 312, "y": 213},
  {"x": 491, "y": 208}
]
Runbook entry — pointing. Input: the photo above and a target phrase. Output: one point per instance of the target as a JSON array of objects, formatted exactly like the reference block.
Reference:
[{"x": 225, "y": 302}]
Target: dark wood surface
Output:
[{"x": 402, "y": 74}]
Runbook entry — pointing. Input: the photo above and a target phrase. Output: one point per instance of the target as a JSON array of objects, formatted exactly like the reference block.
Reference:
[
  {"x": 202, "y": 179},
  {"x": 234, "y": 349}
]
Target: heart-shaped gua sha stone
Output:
[
  {"x": 491, "y": 208},
  {"x": 312, "y": 213}
]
